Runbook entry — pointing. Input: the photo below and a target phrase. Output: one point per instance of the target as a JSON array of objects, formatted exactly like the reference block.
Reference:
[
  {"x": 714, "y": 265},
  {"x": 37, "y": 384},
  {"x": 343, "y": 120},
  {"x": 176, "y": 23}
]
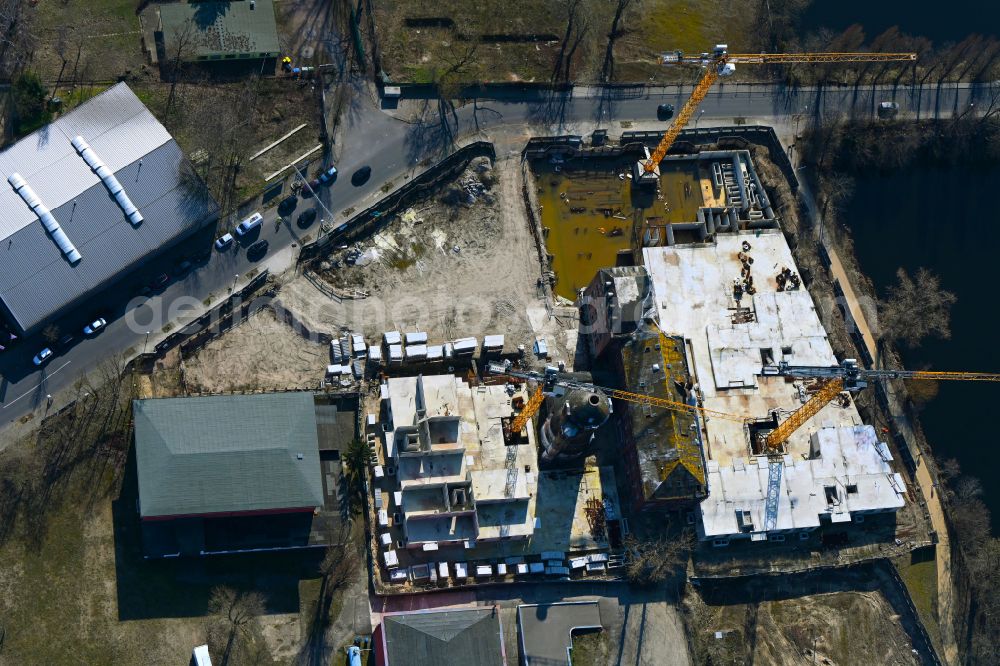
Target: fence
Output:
[
  {"x": 917, "y": 622},
  {"x": 920, "y": 640},
  {"x": 203, "y": 324},
  {"x": 416, "y": 189}
]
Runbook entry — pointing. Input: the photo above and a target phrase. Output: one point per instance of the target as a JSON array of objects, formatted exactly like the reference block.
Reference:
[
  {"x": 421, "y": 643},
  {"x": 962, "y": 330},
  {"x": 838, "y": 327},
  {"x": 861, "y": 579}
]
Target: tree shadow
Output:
[
  {"x": 182, "y": 587},
  {"x": 551, "y": 110},
  {"x": 207, "y": 13}
]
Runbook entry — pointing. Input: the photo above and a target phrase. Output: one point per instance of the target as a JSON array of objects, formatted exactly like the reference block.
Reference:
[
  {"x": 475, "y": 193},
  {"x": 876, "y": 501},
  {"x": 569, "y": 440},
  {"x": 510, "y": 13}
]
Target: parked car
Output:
[
  {"x": 888, "y": 109},
  {"x": 361, "y": 176},
  {"x": 288, "y": 204},
  {"x": 665, "y": 111},
  {"x": 306, "y": 218},
  {"x": 224, "y": 242},
  {"x": 182, "y": 268},
  {"x": 328, "y": 176},
  {"x": 249, "y": 224},
  {"x": 257, "y": 250},
  {"x": 42, "y": 357},
  {"x": 95, "y": 326},
  {"x": 311, "y": 188}
]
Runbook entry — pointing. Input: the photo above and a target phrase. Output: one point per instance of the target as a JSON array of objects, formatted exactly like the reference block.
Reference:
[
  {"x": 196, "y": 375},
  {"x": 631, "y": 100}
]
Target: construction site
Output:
[
  {"x": 520, "y": 441},
  {"x": 595, "y": 216}
]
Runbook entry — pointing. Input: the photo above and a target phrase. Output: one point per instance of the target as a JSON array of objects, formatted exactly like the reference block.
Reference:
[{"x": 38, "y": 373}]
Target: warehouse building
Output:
[
  {"x": 238, "y": 473},
  {"x": 89, "y": 198}
]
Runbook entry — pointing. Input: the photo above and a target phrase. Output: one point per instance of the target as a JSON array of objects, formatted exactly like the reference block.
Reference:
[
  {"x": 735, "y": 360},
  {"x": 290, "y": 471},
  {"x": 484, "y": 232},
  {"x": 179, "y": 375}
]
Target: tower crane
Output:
[
  {"x": 848, "y": 376},
  {"x": 551, "y": 379},
  {"x": 721, "y": 63}
]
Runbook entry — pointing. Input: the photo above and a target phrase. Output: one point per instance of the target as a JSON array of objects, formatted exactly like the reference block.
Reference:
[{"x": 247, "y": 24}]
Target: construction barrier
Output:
[
  {"x": 416, "y": 189},
  {"x": 212, "y": 321}
]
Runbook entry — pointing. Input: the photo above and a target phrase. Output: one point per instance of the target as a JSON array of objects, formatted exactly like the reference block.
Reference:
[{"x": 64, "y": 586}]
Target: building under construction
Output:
[
  {"x": 456, "y": 500},
  {"x": 739, "y": 305},
  {"x": 594, "y": 215}
]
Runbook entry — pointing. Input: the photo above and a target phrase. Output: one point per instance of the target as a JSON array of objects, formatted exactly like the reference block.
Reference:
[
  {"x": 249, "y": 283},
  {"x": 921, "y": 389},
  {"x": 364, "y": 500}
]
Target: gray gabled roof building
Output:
[
  {"x": 86, "y": 199},
  {"x": 221, "y": 29},
  {"x": 227, "y": 455},
  {"x": 423, "y": 638}
]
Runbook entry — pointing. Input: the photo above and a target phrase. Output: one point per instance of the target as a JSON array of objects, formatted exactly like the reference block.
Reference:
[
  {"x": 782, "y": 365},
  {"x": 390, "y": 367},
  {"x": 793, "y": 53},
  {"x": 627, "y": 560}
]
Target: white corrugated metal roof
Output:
[{"x": 115, "y": 124}]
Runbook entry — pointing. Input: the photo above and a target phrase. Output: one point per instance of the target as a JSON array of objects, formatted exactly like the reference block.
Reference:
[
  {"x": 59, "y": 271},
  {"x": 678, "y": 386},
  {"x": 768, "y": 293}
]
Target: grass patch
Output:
[
  {"x": 920, "y": 576},
  {"x": 99, "y": 39},
  {"x": 414, "y": 53},
  {"x": 590, "y": 647},
  {"x": 71, "y": 547}
]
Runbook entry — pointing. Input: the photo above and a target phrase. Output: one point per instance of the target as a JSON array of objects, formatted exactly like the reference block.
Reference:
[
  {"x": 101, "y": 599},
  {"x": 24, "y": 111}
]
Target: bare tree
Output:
[
  {"x": 949, "y": 469},
  {"x": 62, "y": 49},
  {"x": 922, "y": 392},
  {"x": 916, "y": 308},
  {"x": 17, "y": 38},
  {"x": 834, "y": 190},
  {"x": 577, "y": 26},
  {"x": 654, "y": 562},
  {"x": 850, "y": 40},
  {"x": 238, "y": 613},
  {"x": 340, "y": 565},
  {"x": 181, "y": 45}
]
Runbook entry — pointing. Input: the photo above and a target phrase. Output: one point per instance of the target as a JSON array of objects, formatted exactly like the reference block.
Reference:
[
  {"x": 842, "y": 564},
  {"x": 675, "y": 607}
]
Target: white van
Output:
[{"x": 249, "y": 224}]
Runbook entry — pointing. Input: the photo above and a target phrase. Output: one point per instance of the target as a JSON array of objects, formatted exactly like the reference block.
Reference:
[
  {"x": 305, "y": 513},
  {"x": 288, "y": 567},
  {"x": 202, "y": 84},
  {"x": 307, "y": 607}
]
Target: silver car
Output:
[
  {"x": 95, "y": 326},
  {"x": 224, "y": 242}
]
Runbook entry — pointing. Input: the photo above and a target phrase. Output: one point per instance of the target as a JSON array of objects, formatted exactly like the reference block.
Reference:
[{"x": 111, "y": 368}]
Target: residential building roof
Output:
[
  {"x": 471, "y": 636},
  {"x": 234, "y": 29},
  {"x": 37, "y": 280},
  {"x": 227, "y": 454},
  {"x": 668, "y": 448}
]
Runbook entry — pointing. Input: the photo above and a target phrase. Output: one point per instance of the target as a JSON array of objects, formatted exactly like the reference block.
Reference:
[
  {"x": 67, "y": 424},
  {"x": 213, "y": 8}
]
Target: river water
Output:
[
  {"x": 944, "y": 218},
  {"x": 939, "y": 23}
]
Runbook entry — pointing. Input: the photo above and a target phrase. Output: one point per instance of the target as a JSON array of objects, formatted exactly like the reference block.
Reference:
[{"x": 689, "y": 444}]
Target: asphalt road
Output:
[{"x": 395, "y": 149}]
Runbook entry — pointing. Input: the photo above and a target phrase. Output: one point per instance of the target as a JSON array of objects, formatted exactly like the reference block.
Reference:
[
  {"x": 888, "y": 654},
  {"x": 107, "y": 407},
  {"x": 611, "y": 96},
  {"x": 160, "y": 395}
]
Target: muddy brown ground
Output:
[
  {"x": 260, "y": 354},
  {"x": 447, "y": 267}
]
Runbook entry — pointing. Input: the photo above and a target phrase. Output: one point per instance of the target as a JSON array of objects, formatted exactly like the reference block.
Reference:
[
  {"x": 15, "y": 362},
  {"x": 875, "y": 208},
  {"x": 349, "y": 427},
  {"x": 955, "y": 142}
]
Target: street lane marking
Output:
[{"x": 29, "y": 391}]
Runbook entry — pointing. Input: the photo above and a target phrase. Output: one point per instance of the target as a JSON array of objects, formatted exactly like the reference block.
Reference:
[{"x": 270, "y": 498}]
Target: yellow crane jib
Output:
[
  {"x": 548, "y": 381},
  {"x": 847, "y": 376},
  {"x": 530, "y": 409},
  {"x": 820, "y": 399},
  {"x": 722, "y": 63}
]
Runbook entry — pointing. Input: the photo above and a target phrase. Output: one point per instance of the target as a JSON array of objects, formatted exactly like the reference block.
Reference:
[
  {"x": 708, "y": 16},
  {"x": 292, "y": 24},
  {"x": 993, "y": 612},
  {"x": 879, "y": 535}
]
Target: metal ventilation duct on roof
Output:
[
  {"x": 21, "y": 186},
  {"x": 108, "y": 176}
]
